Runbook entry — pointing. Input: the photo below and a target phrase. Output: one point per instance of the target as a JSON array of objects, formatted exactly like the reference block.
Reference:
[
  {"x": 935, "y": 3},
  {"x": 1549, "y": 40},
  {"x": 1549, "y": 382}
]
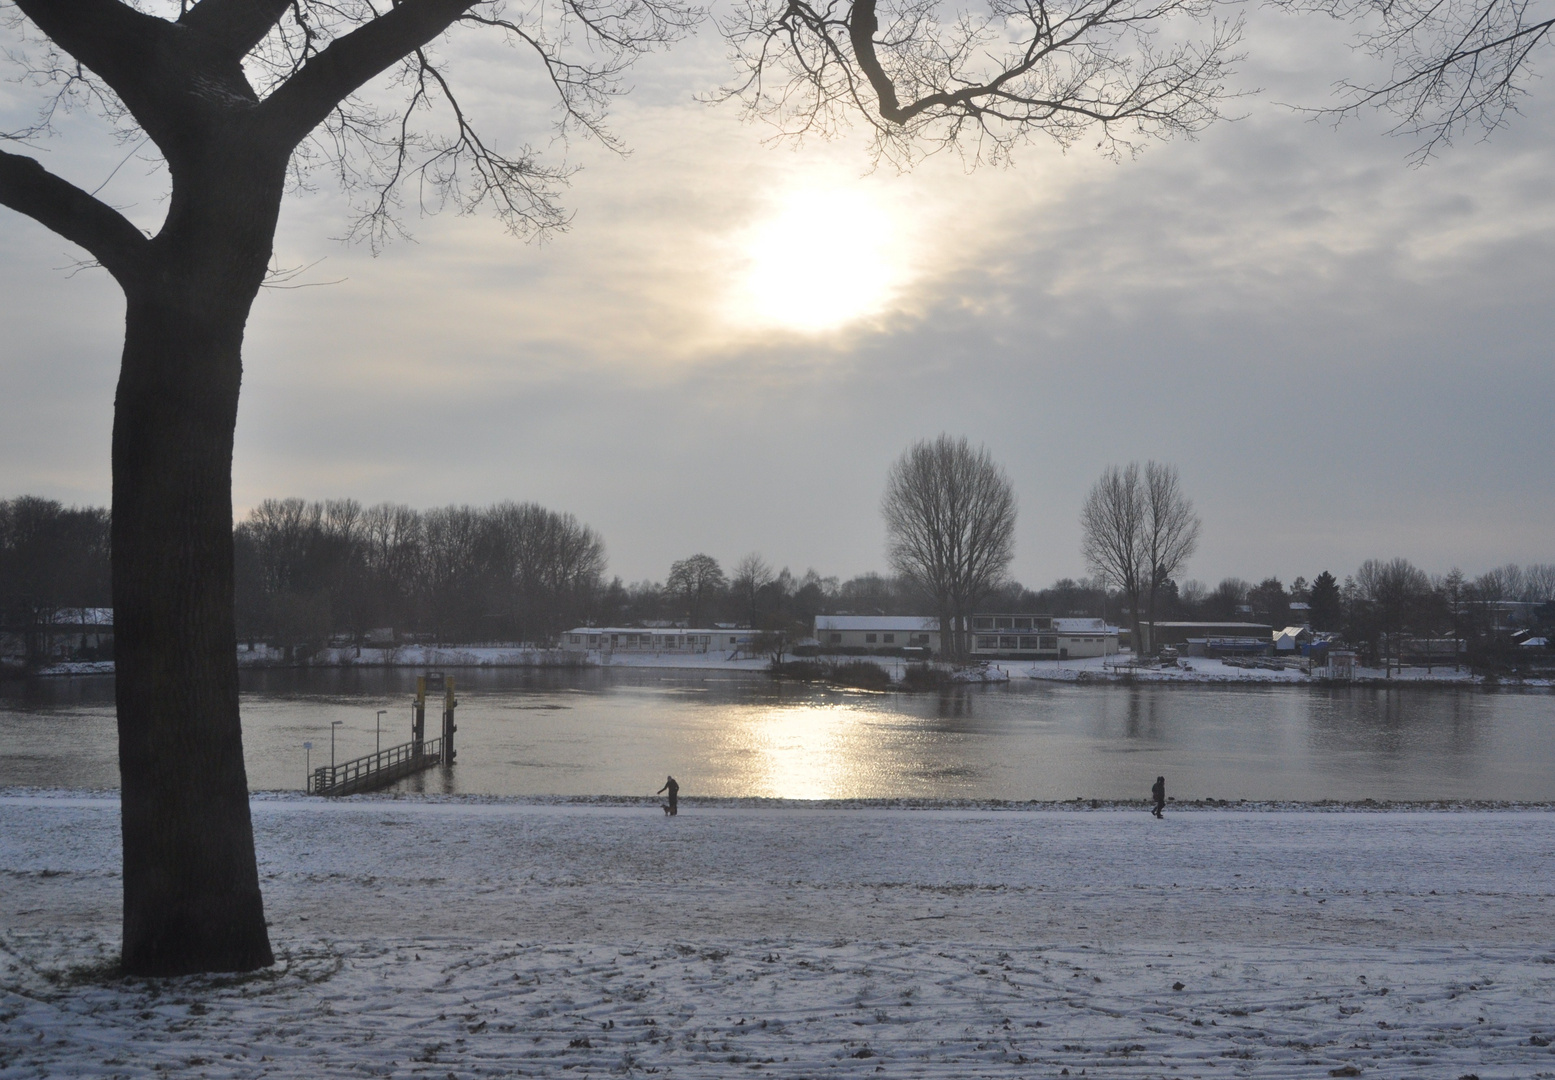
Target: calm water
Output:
[{"x": 736, "y": 734}]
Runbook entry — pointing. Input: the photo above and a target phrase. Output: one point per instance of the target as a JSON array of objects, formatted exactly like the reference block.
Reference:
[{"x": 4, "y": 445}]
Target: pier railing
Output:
[{"x": 375, "y": 770}]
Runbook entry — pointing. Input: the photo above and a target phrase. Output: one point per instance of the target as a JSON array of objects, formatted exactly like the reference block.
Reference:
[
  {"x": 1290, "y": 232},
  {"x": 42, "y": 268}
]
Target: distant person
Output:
[
  {"x": 674, "y": 789},
  {"x": 1157, "y": 792}
]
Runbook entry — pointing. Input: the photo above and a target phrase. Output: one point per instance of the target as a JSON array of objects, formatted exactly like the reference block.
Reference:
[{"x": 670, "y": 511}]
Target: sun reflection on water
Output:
[{"x": 822, "y": 751}]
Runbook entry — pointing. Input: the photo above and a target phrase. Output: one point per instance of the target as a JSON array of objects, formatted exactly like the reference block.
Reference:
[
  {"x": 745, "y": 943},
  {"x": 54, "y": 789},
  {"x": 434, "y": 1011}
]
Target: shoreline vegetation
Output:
[{"x": 868, "y": 673}]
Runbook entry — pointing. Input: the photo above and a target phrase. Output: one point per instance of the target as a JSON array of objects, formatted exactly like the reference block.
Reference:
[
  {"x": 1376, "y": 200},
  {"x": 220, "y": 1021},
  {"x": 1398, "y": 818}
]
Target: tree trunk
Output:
[{"x": 191, "y": 885}]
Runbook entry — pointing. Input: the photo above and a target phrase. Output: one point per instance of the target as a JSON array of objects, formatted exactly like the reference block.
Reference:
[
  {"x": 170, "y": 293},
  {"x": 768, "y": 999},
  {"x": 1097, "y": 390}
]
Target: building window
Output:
[
  {"x": 836, "y": 639},
  {"x": 889, "y": 639},
  {"x": 1050, "y": 643},
  {"x": 923, "y": 639},
  {"x": 1023, "y": 624},
  {"x": 982, "y": 622},
  {"x": 1004, "y": 623},
  {"x": 1028, "y": 643},
  {"x": 987, "y": 641},
  {"x": 577, "y": 639},
  {"x": 1009, "y": 641},
  {"x": 869, "y": 639}
]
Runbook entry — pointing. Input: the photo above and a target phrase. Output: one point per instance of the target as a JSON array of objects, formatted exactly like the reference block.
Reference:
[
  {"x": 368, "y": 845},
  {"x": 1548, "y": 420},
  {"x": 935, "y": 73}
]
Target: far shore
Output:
[{"x": 1110, "y": 670}]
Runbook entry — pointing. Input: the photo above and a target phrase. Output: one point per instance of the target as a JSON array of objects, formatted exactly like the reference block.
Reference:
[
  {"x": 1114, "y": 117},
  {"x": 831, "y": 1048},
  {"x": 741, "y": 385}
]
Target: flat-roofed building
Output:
[
  {"x": 655, "y": 639},
  {"x": 1040, "y": 637},
  {"x": 876, "y": 633}
]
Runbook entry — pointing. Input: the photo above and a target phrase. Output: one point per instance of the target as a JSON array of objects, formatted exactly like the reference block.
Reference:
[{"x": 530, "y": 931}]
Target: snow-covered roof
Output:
[
  {"x": 661, "y": 630},
  {"x": 1536, "y": 643},
  {"x": 1083, "y": 626},
  {"x": 907, "y": 624}
]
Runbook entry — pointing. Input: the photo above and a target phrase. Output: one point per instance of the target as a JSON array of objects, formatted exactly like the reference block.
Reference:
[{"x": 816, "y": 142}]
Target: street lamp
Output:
[
  {"x": 307, "y": 758},
  {"x": 333, "y": 724},
  {"x": 378, "y": 733}
]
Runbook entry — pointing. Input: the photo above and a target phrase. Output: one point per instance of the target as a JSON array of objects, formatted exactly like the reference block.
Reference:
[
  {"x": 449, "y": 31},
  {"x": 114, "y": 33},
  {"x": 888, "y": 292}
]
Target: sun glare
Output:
[{"x": 824, "y": 259}]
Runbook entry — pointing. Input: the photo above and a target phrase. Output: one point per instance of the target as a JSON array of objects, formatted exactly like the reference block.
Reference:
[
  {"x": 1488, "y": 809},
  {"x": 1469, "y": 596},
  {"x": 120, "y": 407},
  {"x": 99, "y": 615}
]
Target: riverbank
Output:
[
  {"x": 1109, "y": 669},
  {"x": 423, "y": 937}
]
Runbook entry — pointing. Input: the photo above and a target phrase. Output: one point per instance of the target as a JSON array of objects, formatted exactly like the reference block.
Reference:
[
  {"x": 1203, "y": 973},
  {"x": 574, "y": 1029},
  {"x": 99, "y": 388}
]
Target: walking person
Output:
[
  {"x": 1157, "y": 792},
  {"x": 674, "y": 792}
]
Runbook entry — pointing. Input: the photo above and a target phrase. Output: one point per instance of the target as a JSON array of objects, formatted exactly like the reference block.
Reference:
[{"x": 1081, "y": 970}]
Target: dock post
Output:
[
  {"x": 449, "y": 704},
  {"x": 418, "y": 716}
]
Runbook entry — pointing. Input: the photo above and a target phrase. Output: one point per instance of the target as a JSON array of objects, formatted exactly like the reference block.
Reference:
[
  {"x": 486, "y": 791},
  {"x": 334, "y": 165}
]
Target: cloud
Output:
[{"x": 1346, "y": 357}]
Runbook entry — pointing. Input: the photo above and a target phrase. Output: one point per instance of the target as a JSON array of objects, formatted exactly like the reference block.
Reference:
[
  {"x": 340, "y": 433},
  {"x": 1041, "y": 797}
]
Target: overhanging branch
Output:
[{"x": 28, "y": 188}]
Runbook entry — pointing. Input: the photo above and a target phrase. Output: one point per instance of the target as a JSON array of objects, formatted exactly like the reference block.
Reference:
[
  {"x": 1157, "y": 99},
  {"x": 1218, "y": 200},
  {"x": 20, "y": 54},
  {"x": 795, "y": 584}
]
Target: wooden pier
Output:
[{"x": 379, "y": 770}]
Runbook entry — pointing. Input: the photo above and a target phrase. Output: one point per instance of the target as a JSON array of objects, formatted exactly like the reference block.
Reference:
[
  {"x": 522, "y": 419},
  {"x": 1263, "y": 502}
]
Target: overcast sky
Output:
[{"x": 1345, "y": 356}]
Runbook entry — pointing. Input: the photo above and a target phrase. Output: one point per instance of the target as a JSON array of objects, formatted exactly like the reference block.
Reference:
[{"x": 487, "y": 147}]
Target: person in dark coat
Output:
[
  {"x": 1158, "y": 792},
  {"x": 674, "y": 793}
]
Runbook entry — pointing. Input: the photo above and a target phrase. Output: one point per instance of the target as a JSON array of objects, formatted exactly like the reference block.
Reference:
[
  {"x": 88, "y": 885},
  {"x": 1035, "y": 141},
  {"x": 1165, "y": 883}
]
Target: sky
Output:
[{"x": 1345, "y": 356}]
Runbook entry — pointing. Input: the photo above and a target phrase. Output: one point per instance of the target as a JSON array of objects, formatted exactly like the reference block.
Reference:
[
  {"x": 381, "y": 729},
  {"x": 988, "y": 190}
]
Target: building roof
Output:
[
  {"x": 907, "y": 624},
  {"x": 659, "y": 630},
  {"x": 1251, "y": 627},
  {"x": 1083, "y": 626}
]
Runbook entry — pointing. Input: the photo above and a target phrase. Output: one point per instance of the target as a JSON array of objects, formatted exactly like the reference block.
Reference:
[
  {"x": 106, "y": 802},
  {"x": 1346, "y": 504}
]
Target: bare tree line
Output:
[{"x": 307, "y": 571}]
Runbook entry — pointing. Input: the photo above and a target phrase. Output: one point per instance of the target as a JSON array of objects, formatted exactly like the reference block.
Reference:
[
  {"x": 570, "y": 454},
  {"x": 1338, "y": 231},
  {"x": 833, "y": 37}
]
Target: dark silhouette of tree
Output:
[
  {"x": 51, "y": 557},
  {"x": 751, "y": 576},
  {"x": 1324, "y": 598},
  {"x": 1270, "y": 603},
  {"x": 696, "y": 582},
  {"x": 1395, "y": 591},
  {"x": 950, "y": 528}
]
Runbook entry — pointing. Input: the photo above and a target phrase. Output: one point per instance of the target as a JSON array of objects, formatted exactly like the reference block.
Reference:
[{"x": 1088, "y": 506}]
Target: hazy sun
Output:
[{"x": 824, "y": 258}]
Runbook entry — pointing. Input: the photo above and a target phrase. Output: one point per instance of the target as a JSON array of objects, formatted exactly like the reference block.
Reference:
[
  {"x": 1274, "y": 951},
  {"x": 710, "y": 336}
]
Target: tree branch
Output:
[
  {"x": 125, "y": 47},
  {"x": 308, "y": 97},
  {"x": 28, "y": 188},
  {"x": 237, "y": 26}
]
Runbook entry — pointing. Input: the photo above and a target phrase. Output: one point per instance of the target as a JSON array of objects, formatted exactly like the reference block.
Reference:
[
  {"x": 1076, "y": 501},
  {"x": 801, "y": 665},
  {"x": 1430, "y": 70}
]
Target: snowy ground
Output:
[
  {"x": 497, "y": 938},
  {"x": 1207, "y": 670}
]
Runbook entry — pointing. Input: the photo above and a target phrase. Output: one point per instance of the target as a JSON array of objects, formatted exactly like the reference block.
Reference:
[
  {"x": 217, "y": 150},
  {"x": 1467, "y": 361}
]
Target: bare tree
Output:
[
  {"x": 1138, "y": 530},
  {"x": 1112, "y": 527},
  {"x": 950, "y": 528},
  {"x": 751, "y": 575},
  {"x": 696, "y": 580},
  {"x": 242, "y": 98},
  {"x": 1395, "y": 590},
  {"x": 239, "y": 97},
  {"x": 1457, "y": 65}
]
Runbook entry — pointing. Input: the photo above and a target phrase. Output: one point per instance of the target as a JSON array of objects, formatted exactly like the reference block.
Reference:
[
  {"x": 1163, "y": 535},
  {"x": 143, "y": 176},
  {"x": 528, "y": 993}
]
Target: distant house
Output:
[
  {"x": 657, "y": 639},
  {"x": 1301, "y": 611},
  {"x": 876, "y": 633},
  {"x": 1291, "y": 639}
]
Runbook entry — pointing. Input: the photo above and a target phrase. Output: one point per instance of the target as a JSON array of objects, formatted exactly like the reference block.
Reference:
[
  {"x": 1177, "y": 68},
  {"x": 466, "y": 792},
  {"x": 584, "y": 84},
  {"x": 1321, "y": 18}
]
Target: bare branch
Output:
[
  {"x": 28, "y": 188},
  {"x": 1457, "y": 64},
  {"x": 982, "y": 80}
]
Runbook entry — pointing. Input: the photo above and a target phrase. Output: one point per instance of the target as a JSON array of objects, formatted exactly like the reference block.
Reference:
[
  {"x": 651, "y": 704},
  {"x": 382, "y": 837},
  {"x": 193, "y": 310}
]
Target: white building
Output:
[
  {"x": 1041, "y": 637},
  {"x": 654, "y": 639},
  {"x": 1005, "y": 637},
  {"x": 875, "y": 633}
]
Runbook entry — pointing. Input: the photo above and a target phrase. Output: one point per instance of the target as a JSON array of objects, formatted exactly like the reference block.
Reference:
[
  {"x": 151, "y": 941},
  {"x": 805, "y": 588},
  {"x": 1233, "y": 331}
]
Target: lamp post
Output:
[
  {"x": 378, "y": 733},
  {"x": 307, "y": 758},
  {"x": 333, "y": 724}
]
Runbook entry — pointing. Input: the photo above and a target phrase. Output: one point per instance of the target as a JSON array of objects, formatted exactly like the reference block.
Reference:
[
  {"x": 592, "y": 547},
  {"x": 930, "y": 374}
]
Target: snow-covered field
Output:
[{"x": 482, "y": 937}]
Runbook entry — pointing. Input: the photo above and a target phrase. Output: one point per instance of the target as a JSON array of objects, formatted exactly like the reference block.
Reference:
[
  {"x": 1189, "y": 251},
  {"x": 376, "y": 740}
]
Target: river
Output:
[{"x": 619, "y": 732}]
